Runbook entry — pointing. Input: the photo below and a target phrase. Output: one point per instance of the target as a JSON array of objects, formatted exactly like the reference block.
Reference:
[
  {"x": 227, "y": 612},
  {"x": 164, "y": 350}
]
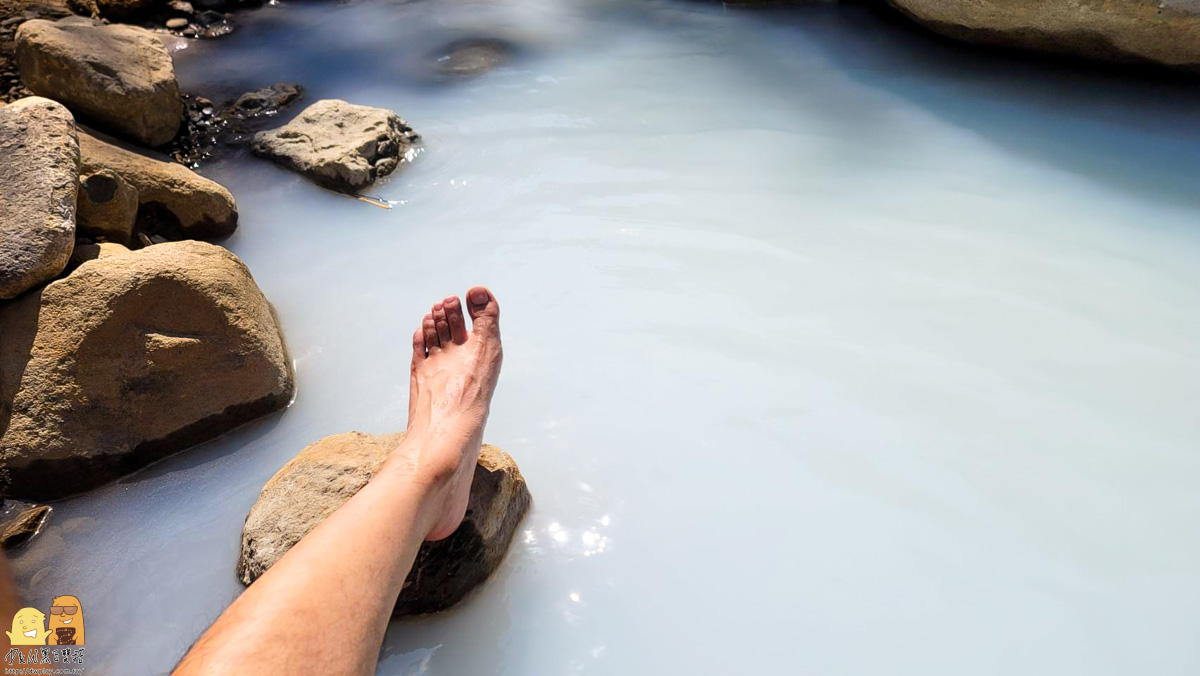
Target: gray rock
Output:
[
  {"x": 130, "y": 358},
  {"x": 23, "y": 527},
  {"x": 121, "y": 77},
  {"x": 107, "y": 207},
  {"x": 339, "y": 145},
  {"x": 1148, "y": 31},
  {"x": 39, "y": 170},
  {"x": 329, "y": 472},
  {"x": 171, "y": 197}
]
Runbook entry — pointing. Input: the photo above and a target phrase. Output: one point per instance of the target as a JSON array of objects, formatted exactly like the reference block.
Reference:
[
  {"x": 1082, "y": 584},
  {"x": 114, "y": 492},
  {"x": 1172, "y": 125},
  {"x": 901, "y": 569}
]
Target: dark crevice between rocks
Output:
[{"x": 211, "y": 131}]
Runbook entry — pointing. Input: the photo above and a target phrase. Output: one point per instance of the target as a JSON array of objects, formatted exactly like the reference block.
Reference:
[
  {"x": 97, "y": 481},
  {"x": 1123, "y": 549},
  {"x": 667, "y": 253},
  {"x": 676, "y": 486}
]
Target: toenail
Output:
[
  {"x": 437, "y": 307},
  {"x": 479, "y": 297}
]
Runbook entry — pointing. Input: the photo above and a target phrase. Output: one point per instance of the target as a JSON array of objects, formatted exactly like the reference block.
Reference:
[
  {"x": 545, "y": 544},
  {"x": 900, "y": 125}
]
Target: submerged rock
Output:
[
  {"x": 39, "y": 170},
  {"x": 329, "y": 472},
  {"x": 172, "y": 199},
  {"x": 107, "y": 207},
  {"x": 1166, "y": 33},
  {"x": 23, "y": 527},
  {"x": 265, "y": 101},
  {"x": 131, "y": 358},
  {"x": 471, "y": 57},
  {"x": 121, "y": 77},
  {"x": 339, "y": 145}
]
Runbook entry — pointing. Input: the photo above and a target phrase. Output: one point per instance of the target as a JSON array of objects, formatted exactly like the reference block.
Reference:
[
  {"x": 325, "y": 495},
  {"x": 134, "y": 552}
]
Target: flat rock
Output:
[
  {"x": 131, "y": 358},
  {"x": 23, "y": 527},
  {"x": 339, "y": 145},
  {"x": 39, "y": 170},
  {"x": 119, "y": 77},
  {"x": 107, "y": 207},
  {"x": 173, "y": 198},
  {"x": 1165, "y": 32},
  {"x": 329, "y": 472}
]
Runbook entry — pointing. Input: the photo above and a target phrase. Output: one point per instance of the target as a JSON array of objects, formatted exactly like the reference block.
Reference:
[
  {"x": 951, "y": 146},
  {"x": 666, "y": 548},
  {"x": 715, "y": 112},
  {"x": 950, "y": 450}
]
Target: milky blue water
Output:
[{"x": 830, "y": 348}]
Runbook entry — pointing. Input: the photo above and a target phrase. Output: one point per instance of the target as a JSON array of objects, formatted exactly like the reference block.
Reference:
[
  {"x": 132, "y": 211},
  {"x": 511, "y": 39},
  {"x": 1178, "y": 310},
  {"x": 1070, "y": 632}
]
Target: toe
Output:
[
  {"x": 418, "y": 346},
  {"x": 441, "y": 323},
  {"x": 485, "y": 311},
  {"x": 454, "y": 315},
  {"x": 431, "y": 336}
]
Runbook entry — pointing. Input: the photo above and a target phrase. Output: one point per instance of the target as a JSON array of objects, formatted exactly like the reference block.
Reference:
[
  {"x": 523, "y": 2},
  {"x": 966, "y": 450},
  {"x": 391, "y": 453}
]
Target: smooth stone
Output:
[
  {"x": 1138, "y": 31},
  {"x": 329, "y": 472},
  {"x": 120, "y": 77},
  {"x": 107, "y": 206},
  {"x": 132, "y": 358},
  {"x": 39, "y": 169},
  {"x": 177, "y": 23},
  {"x": 473, "y": 57},
  {"x": 176, "y": 198},
  {"x": 339, "y": 145}
]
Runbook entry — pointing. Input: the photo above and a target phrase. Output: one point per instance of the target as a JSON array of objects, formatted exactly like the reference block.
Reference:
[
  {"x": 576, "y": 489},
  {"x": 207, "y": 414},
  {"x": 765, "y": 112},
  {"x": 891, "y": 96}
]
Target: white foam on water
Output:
[{"x": 830, "y": 348}]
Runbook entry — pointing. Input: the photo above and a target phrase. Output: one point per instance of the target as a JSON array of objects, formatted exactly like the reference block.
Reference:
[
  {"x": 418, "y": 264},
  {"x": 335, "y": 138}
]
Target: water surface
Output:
[{"x": 830, "y": 348}]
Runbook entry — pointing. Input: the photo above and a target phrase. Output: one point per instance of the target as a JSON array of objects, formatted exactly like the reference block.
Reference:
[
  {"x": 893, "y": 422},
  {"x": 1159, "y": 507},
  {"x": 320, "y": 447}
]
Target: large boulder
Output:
[
  {"x": 171, "y": 197},
  {"x": 131, "y": 358},
  {"x": 121, "y": 77},
  {"x": 329, "y": 472},
  {"x": 339, "y": 145},
  {"x": 39, "y": 172},
  {"x": 1151, "y": 31}
]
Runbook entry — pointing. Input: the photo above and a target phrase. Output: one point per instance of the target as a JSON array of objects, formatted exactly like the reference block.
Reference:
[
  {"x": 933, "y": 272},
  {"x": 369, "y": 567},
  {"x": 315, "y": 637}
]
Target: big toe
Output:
[{"x": 484, "y": 310}]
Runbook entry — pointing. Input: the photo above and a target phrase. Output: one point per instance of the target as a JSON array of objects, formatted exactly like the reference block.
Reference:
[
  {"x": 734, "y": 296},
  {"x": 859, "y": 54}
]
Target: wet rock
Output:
[
  {"x": 177, "y": 23},
  {"x": 23, "y": 527},
  {"x": 172, "y": 199},
  {"x": 1153, "y": 31},
  {"x": 265, "y": 101},
  {"x": 339, "y": 145},
  {"x": 107, "y": 207},
  {"x": 39, "y": 170},
  {"x": 121, "y": 77},
  {"x": 125, "y": 10},
  {"x": 181, "y": 6},
  {"x": 468, "y": 58},
  {"x": 327, "y": 473},
  {"x": 91, "y": 252},
  {"x": 209, "y": 18},
  {"x": 131, "y": 358}
]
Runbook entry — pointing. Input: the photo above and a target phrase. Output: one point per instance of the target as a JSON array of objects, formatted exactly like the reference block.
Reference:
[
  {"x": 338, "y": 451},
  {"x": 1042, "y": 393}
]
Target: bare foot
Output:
[{"x": 454, "y": 374}]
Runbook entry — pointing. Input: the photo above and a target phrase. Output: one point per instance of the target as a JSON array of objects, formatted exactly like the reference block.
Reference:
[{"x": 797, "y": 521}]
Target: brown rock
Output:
[
  {"x": 1147, "y": 31},
  {"x": 172, "y": 198},
  {"x": 119, "y": 76},
  {"x": 131, "y": 358},
  {"x": 39, "y": 170},
  {"x": 107, "y": 207},
  {"x": 329, "y": 472},
  {"x": 92, "y": 252},
  {"x": 26, "y": 524}
]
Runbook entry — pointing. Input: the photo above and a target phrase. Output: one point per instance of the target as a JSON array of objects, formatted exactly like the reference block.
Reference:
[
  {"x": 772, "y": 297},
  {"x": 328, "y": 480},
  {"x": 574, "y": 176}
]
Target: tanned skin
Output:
[{"x": 324, "y": 606}]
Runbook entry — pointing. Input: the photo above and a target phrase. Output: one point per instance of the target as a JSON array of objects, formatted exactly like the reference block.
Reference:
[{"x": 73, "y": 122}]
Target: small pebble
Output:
[{"x": 177, "y": 23}]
